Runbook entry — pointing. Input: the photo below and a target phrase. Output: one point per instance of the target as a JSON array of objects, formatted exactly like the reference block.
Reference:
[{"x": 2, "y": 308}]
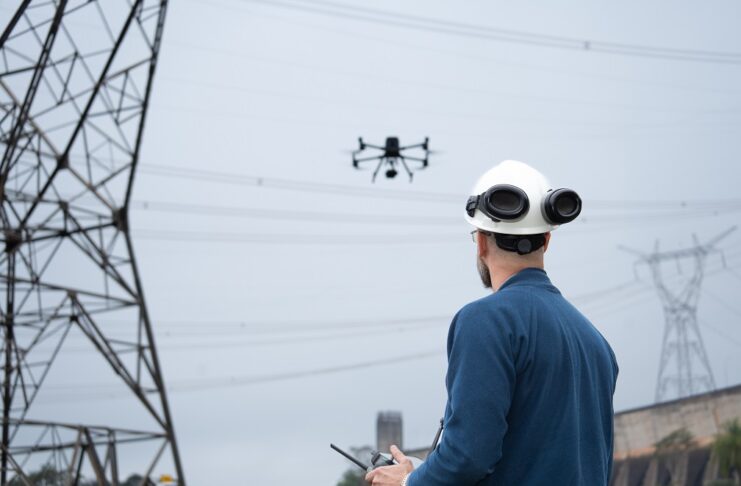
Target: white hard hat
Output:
[{"x": 513, "y": 198}]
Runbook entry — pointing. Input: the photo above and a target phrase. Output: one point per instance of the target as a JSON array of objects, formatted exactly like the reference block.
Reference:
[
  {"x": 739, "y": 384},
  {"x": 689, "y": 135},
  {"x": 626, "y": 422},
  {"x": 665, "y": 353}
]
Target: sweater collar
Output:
[{"x": 528, "y": 276}]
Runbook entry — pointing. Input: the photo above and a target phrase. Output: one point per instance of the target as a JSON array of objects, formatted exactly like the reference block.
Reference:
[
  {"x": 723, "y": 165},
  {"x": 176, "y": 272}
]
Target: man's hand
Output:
[{"x": 391, "y": 475}]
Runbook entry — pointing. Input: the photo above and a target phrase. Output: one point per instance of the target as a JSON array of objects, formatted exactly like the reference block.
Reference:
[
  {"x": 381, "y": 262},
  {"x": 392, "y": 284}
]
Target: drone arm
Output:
[
  {"x": 424, "y": 145},
  {"x": 416, "y": 145},
  {"x": 366, "y": 159},
  {"x": 362, "y": 145}
]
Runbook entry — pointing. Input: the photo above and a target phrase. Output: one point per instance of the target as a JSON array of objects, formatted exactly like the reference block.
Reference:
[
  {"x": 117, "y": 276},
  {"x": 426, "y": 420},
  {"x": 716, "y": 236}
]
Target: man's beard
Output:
[{"x": 483, "y": 272}]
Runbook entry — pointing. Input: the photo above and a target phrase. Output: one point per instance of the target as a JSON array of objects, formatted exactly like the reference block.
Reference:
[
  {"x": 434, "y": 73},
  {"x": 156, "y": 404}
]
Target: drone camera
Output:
[{"x": 391, "y": 173}]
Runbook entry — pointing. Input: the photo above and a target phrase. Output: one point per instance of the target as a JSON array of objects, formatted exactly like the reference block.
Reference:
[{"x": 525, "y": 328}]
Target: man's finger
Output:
[
  {"x": 398, "y": 455},
  {"x": 369, "y": 477}
]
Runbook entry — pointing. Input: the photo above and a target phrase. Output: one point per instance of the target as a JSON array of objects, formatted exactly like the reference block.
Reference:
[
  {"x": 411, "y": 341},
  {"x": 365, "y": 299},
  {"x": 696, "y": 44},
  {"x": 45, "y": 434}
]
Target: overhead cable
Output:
[
  {"x": 354, "y": 34},
  {"x": 295, "y": 185},
  {"x": 236, "y": 178},
  {"x": 297, "y": 238},
  {"x": 85, "y": 392},
  {"x": 428, "y": 24},
  {"x": 628, "y": 215}
]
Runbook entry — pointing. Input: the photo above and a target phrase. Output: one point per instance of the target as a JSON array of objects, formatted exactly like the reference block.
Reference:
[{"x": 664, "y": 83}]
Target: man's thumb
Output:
[{"x": 397, "y": 454}]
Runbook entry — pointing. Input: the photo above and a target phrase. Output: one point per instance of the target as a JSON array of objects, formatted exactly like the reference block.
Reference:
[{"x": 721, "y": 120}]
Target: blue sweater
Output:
[{"x": 530, "y": 384}]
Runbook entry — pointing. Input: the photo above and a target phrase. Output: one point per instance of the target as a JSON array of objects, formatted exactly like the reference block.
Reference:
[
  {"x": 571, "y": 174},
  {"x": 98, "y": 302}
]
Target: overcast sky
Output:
[{"x": 250, "y": 88}]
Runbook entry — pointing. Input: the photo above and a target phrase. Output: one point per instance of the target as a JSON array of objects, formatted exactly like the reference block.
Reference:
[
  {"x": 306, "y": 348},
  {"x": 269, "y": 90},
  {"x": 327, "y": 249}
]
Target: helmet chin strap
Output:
[{"x": 521, "y": 244}]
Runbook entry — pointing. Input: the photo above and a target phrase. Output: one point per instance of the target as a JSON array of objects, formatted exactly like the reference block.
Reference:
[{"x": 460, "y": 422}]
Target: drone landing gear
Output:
[{"x": 406, "y": 168}]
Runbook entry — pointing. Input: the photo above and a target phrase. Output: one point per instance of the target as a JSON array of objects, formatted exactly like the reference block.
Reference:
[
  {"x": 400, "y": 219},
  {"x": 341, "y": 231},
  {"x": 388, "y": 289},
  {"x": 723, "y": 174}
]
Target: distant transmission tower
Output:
[
  {"x": 684, "y": 368},
  {"x": 75, "y": 82}
]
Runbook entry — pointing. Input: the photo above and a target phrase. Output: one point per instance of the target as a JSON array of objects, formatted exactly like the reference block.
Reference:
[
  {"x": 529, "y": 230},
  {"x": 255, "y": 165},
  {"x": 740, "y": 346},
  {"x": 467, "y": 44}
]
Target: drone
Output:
[{"x": 392, "y": 157}]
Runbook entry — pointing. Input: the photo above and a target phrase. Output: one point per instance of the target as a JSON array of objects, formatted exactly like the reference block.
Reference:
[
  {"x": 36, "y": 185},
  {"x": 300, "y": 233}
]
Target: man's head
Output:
[{"x": 514, "y": 209}]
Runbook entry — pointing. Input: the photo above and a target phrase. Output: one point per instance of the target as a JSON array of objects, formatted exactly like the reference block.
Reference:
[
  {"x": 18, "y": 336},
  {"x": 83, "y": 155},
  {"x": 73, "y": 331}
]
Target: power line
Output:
[
  {"x": 667, "y": 204},
  {"x": 499, "y": 62},
  {"x": 721, "y": 333},
  {"x": 624, "y": 301},
  {"x": 594, "y": 301},
  {"x": 625, "y": 296},
  {"x": 639, "y": 294},
  {"x": 597, "y": 295},
  {"x": 723, "y": 303},
  {"x": 195, "y": 236},
  {"x": 233, "y": 343},
  {"x": 245, "y": 328},
  {"x": 94, "y": 393},
  {"x": 579, "y": 43},
  {"x": 341, "y": 328},
  {"x": 629, "y": 216},
  {"x": 293, "y": 215},
  {"x": 733, "y": 273},
  {"x": 458, "y": 89},
  {"x": 296, "y": 185},
  {"x": 396, "y": 19},
  {"x": 235, "y": 178},
  {"x": 250, "y": 380},
  {"x": 296, "y": 238},
  {"x": 634, "y": 128}
]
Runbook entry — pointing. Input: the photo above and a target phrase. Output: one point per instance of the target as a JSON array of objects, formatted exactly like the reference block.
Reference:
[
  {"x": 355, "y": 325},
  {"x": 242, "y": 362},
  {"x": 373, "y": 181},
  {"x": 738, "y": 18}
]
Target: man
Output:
[{"x": 530, "y": 380}]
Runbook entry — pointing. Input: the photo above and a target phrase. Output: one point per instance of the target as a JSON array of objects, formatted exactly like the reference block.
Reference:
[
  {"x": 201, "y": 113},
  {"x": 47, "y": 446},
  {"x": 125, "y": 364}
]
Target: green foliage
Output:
[
  {"x": 352, "y": 477},
  {"x": 727, "y": 448},
  {"x": 48, "y": 475},
  {"x": 136, "y": 480},
  {"x": 679, "y": 440}
]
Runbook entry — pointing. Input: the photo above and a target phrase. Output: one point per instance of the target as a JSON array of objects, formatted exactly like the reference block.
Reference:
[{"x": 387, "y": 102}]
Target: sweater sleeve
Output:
[{"x": 480, "y": 383}]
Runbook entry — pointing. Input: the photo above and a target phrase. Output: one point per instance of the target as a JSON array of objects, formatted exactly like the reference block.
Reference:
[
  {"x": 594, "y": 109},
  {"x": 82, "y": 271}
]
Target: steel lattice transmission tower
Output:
[
  {"x": 75, "y": 82},
  {"x": 684, "y": 369}
]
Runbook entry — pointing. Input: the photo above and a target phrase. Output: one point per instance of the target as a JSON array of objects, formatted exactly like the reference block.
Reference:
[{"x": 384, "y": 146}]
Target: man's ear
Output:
[
  {"x": 482, "y": 243},
  {"x": 547, "y": 240}
]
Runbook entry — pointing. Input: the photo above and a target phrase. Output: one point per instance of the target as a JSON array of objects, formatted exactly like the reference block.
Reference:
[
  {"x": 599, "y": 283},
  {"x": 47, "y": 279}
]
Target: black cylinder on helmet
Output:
[
  {"x": 561, "y": 206},
  {"x": 502, "y": 202}
]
